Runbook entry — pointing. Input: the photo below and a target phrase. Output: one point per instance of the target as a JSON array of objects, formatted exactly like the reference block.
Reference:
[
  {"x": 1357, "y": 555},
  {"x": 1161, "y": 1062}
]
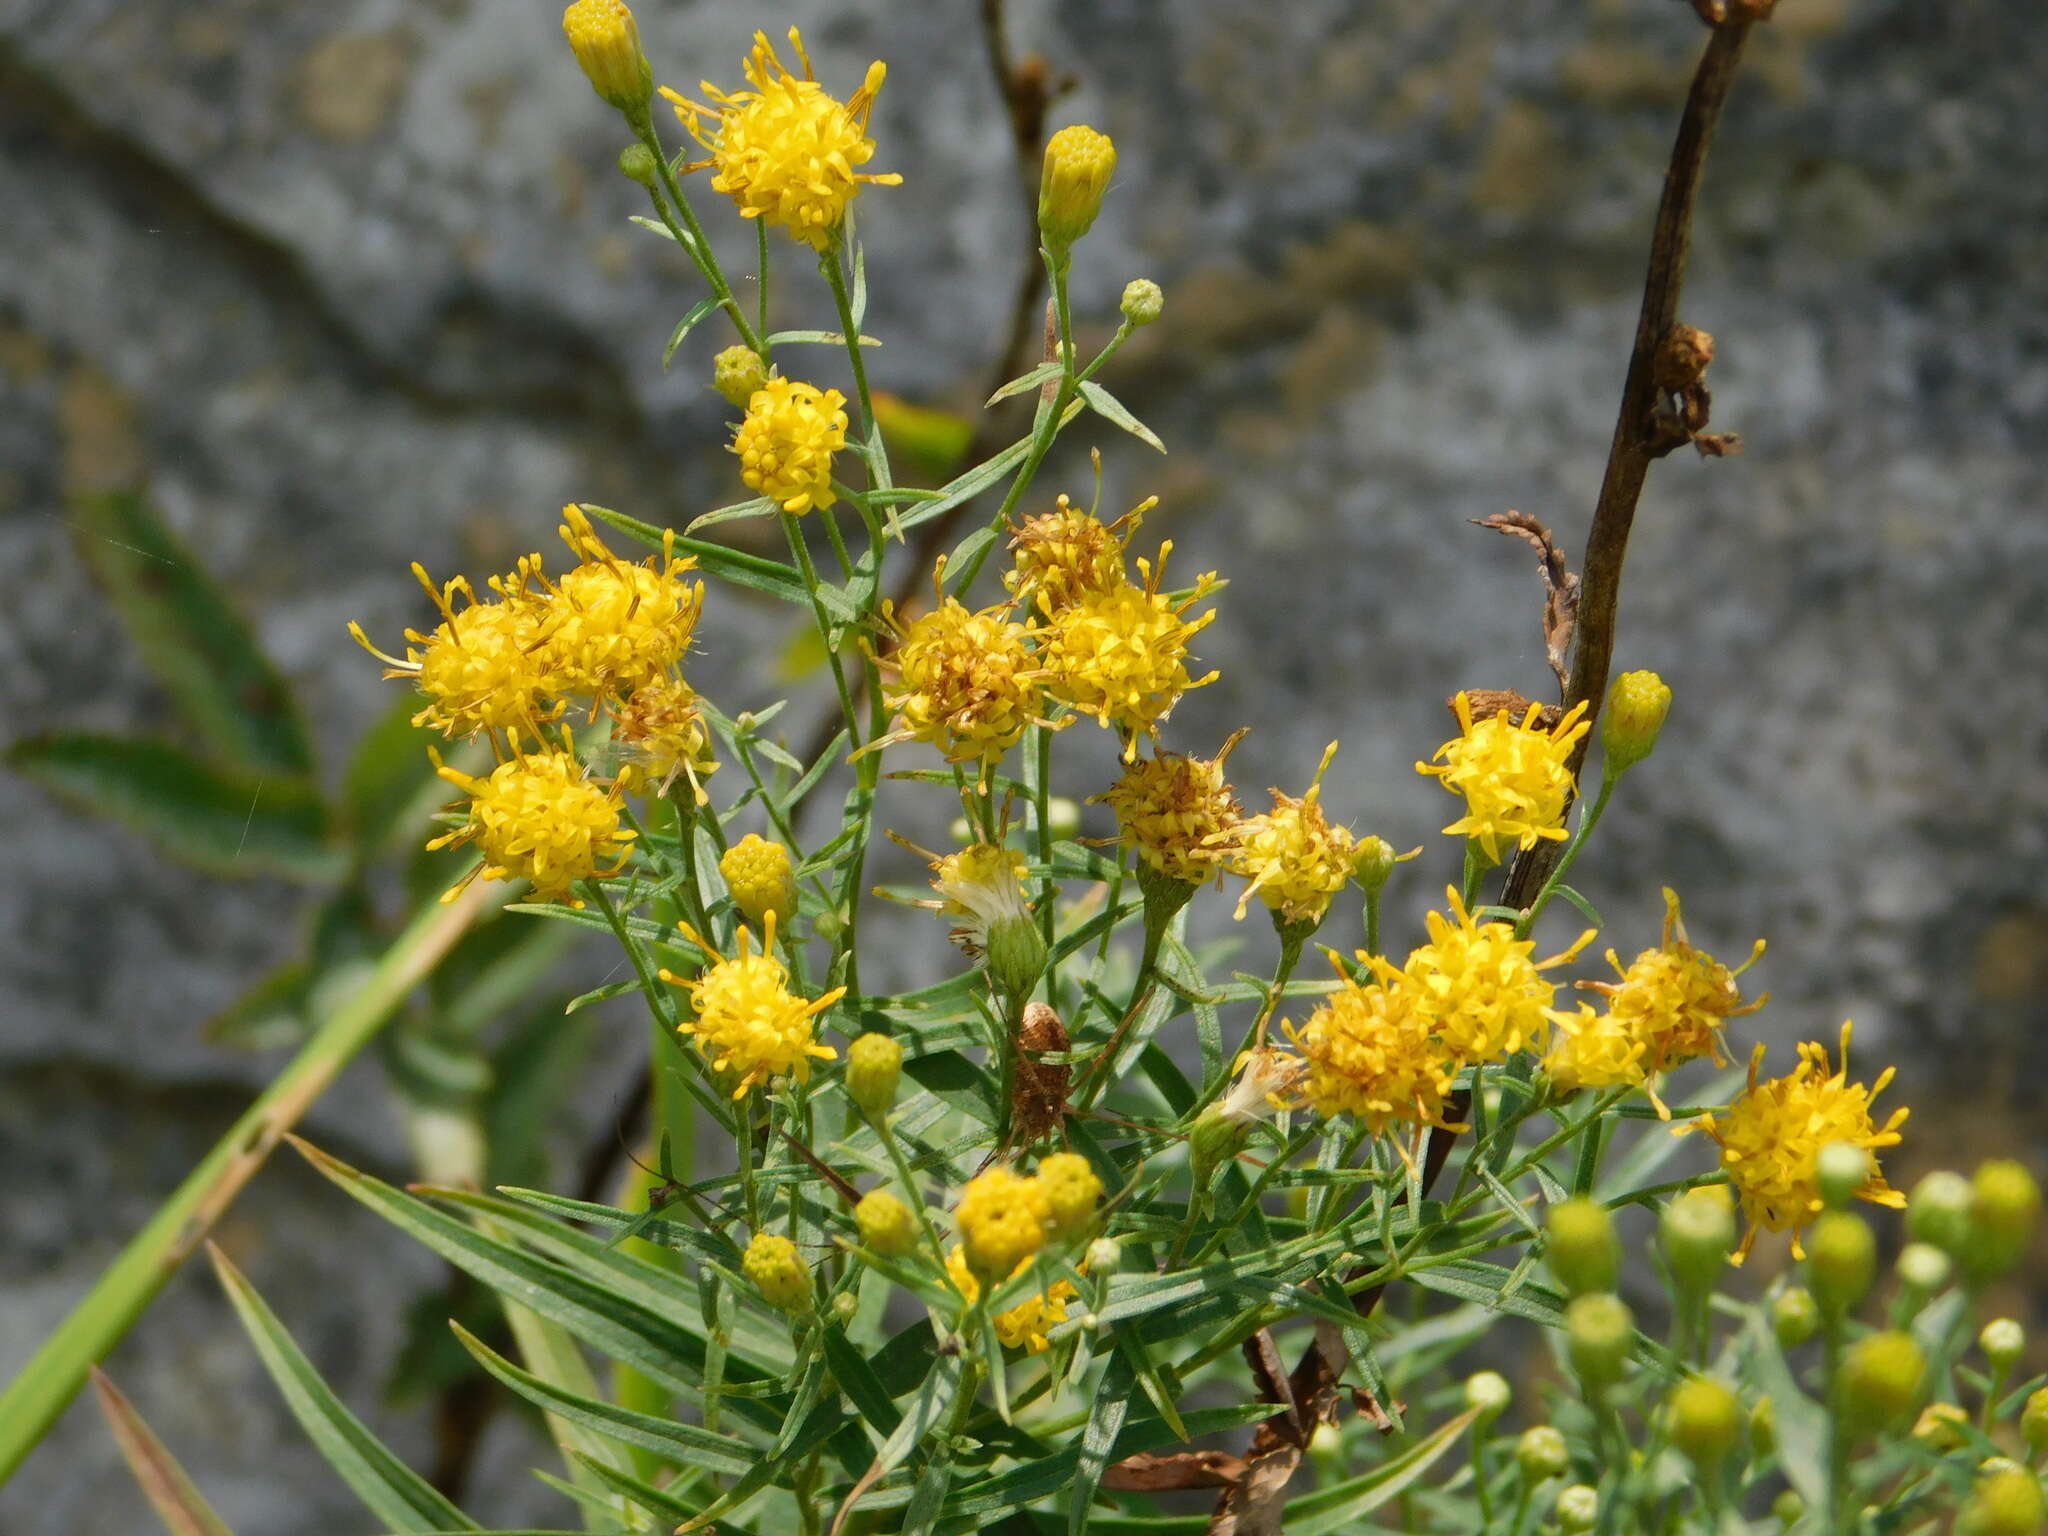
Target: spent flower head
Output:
[
  {"x": 964, "y": 682},
  {"x": 1515, "y": 776},
  {"x": 1121, "y": 654},
  {"x": 1060, "y": 557},
  {"x": 1179, "y": 813},
  {"x": 1291, "y": 858},
  {"x": 659, "y": 730}
]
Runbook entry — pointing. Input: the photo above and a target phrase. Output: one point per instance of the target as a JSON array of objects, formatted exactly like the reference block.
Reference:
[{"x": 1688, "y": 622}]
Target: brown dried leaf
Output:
[
  {"x": 1488, "y": 702},
  {"x": 1560, "y": 586},
  {"x": 1254, "y": 1504},
  {"x": 1151, "y": 1473}
]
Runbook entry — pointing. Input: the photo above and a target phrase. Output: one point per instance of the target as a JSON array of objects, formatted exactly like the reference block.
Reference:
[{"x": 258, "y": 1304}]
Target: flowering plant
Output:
[{"x": 1030, "y": 1247}]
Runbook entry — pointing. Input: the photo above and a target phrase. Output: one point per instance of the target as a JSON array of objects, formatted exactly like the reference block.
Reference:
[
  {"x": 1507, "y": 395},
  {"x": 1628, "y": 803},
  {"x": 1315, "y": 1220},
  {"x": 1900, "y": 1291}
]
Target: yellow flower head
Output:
[
  {"x": 787, "y": 442},
  {"x": 761, "y": 878},
  {"x": 479, "y": 668},
  {"x": 885, "y": 1224},
  {"x": 784, "y": 150},
  {"x": 1003, "y": 1218},
  {"x": 1078, "y": 164},
  {"x": 1066, "y": 555},
  {"x": 1675, "y": 999},
  {"x": 1514, "y": 777},
  {"x": 964, "y": 682},
  {"x": 1477, "y": 987},
  {"x": 1593, "y": 1050},
  {"x": 1121, "y": 654},
  {"x": 1025, "y": 1325},
  {"x": 613, "y": 626},
  {"x": 659, "y": 729},
  {"x": 1295, "y": 861},
  {"x": 749, "y": 1025},
  {"x": 1770, "y": 1139},
  {"x": 1072, "y": 1192},
  {"x": 540, "y": 818},
  {"x": 606, "y": 42},
  {"x": 1369, "y": 1055},
  {"x": 1179, "y": 813},
  {"x": 772, "y": 1263}
]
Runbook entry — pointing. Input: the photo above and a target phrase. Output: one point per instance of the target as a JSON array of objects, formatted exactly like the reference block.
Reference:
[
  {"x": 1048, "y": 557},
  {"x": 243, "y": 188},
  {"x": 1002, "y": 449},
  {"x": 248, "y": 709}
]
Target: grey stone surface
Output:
[{"x": 351, "y": 284}]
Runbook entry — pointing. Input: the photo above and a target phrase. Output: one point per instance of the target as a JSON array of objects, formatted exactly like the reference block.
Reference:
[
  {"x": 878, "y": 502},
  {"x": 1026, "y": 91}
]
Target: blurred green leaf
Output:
[
  {"x": 171, "y": 1493},
  {"x": 189, "y": 634},
  {"x": 390, "y": 787},
  {"x": 215, "y": 818}
]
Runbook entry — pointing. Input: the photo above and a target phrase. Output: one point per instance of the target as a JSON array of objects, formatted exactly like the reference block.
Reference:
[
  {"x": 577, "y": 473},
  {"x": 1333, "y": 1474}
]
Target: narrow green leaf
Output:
[
  {"x": 661, "y": 229},
  {"x": 171, "y": 1493},
  {"x": 857, "y": 1379},
  {"x": 818, "y": 338},
  {"x": 189, "y": 634},
  {"x": 1802, "y": 1423},
  {"x": 1106, "y": 1417},
  {"x": 1336, "y": 1509},
  {"x": 389, "y": 1489},
  {"x": 759, "y": 506},
  {"x": 968, "y": 484},
  {"x": 1108, "y": 406},
  {"x": 1488, "y": 1284},
  {"x": 219, "y": 819},
  {"x": 735, "y": 566},
  {"x": 687, "y": 324},
  {"x": 1044, "y": 373},
  {"x": 1590, "y": 912}
]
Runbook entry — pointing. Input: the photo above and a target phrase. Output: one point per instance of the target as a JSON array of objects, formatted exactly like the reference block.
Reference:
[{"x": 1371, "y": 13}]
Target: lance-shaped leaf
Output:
[{"x": 171, "y": 1493}]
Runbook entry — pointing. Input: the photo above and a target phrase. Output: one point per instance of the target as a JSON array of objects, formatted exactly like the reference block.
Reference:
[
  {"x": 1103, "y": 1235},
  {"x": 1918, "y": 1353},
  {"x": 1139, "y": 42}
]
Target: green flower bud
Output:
[
  {"x": 1105, "y": 1254},
  {"x": 1489, "y": 1393},
  {"x": 1795, "y": 1317},
  {"x": 886, "y": 1224},
  {"x": 736, "y": 372},
  {"x": 2009, "y": 1502},
  {"x": 606, "y": 41},
  {"x": 1841, "y": 1169},
  {"x": 1788, "y": 1509},
  {"x": 874, "y": 1066},
  {"x": 1763, "y": 1427},
  {"x": 1062, "y": 816},
  {"x": 1016, "y": 955},
  {"x": 1923, "y": 1268},
  {"x": 637, "y": 163},
  {"x": 2003, "y": 1342},
  {"x": 1582, "y": 1250},
  {"x": 844, "y": 1305},
  {"x": 1142, "y": 302},
  {"x": 1578, "y": 1509},
  {"x": 1078, "y": 164},
  {"x": 2034, "y": 1420},
  {"x": 1697, "y": 1233},
  {"x": 1841, "y": 1261},
  {"x": 1941, "y": 1426},
  {"x": 1214, "y": 1140},
  {"x": 1633, "y": 719},
  {"x": 2004, "y": 1204},
  {"x": 1541, "y": 1453},
  {"x": 1879, "y": 1382},
  {"x": 1939, "y": 1211},
  {"x": 771, "y": 1262},
  {"x": 1599, "y": 1332},
  {"x": 1706, "y": 1422}
]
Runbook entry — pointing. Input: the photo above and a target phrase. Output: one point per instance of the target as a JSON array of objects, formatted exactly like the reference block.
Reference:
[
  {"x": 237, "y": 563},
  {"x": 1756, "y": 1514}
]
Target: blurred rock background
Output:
[{"x": 351, "y": 284}]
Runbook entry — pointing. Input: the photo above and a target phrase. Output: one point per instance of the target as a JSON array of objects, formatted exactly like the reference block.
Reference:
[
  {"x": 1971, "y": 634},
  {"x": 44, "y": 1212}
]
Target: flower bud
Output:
[
  {"x": 736, "y": 372},
  {"x": 1078, "y": 164},
  {"x": 771, "y": 1262},
  {"x": 1105, "y": 1254},
  {"x": 1599, "y": 1332},
  {"x": 1879, "y": 1382},
  {"x": 1841, "y": 1169},
  {"x": 1636, "y": 707},
  {"x": 844, "y": 1305},
  {"x": 1795, "y": 1317},
  {"x": 1941, "y": 1426},
  {"x": 761, "y": 878},
  {"x": 1763, "y": 1427},
  {"x": 2004, "y": 1203},
  {"x": 1062, "y": 816},
  {"x": 1841, "y": 1261},
  {"x": 1578, "y": 1509},
  {"x": 1541, "y": 1453},
  {"x": 637, "y": 163},
  {"x": 1016, "y": 955},
  {"x": 1939, "y": 1211},
  {"x": 2034, "y": 1420},
  {"x": 606, "y": 41},
  {"x": 874, "y": 1064},
  {"x": 1582, "y": 1250},
  {"x": 886, "y": 1224},
  {"x": 1697, "y": 1232},
  {"x": 1923, "y": 1268},
  {"x": 2003, "y": 1342},
  {"x": 1706, "y": 1422},
  {"x": 1214, "y": 1140},
  {"x": 1788, "y": 1509},
  {"x": 2009, "y": 1502},
  {"x": 1489, "y": 1393},
  {"x": 1142, "y": 302}
]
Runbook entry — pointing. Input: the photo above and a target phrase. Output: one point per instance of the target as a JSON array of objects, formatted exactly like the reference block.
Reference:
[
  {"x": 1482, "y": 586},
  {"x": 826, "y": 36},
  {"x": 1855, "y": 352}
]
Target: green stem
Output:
[
  {"x": 1587, "y": 823},
  {"x": 696, "y": 246},
  {"x": 125, "y": 1288},
  {"x": 797, "y": 547},
  {"x": 761, "y": 285}
]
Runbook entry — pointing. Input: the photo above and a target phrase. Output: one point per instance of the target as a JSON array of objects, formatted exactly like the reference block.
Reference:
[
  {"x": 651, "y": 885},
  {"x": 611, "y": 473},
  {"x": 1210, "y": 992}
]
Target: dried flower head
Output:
[
  {"x": 1065, "y": 555},
  {"x": 964, "y": 682},
  {"x": 1514, "y": 777},
  {"x": 1477, "y": 986},
  {"x": 659, "y": 732},
  {"x": 1121, "y": 654},
  {"x": 539, "y": 817},
  {"x": 1293, "y": 859},
  {"x": 1264, "y": 1084},
  {"x": 786, "y": 443},
  {"x": 748, "y": 1024},
  {"x": 785, "y": 150},
  {"x": 1179, "y": 814}
]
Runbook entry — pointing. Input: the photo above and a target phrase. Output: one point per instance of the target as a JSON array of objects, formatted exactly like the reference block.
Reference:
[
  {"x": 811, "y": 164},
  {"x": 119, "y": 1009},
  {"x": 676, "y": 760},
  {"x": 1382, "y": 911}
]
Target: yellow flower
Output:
[
  {"x": 760, "y": 877},
  {"x": 1675, "y": 999},
  {"x": 1370, "y": 1056},
  {"x": 774, "y": 1265},
  {"x": 749, "y": 1025},
  {"x": 1025, "y": 1325},
  {"x": 1078, "y": 164},
  {"x": 1770, "y": 1139},
  {"x": 613, "y": 626},
  {"x": 540, "y": 818},
  {"x": 1514, "y": 777},
  {"x": 1121, "y": 654},
  {"x": 478, "y": 668},
  {"x": 659, "y": 729},
  {"x": 606, "y": 42},
  {"x": 787, "y": 442},
  {"x": 1593, "y": 1050},
  {"x": 1072, "y": 1191},
  {"x": 785, "y": 151},
  {"x": 1003, "y": 1218},
  {"x": 1179, "y": 814},
  {"x": 964, "y": 682},
  {"x": 1476, "y": 986},
  {"x": 1295, "y": 861},
  {"x": 1636, "y": 707},
  {"x": 1066, "y": 555}
]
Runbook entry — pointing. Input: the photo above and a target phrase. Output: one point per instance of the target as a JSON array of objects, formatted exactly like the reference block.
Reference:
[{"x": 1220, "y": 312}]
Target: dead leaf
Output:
[
  {"x": 1151, "y": 1473},
  {"x": 1560, "y": 586}
]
